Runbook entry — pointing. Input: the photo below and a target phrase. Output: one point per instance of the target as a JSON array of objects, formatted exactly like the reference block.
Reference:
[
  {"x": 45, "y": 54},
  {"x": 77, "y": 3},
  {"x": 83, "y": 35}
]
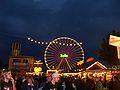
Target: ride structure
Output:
[{"x": 63, "y": 53}]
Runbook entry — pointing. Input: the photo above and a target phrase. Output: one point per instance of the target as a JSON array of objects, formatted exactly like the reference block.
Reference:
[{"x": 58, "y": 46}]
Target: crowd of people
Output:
[{"x": 55, "y": 82}]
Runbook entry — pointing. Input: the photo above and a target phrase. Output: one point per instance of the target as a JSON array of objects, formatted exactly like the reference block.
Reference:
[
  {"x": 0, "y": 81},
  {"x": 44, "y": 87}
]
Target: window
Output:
[
  {"x": 16, "y": 60},
  {"x": 25, "y": 61}
]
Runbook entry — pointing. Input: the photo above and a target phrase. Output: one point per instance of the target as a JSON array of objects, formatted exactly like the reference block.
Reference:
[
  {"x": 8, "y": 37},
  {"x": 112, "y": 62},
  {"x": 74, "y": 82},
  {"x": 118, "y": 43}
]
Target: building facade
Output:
[
  {"x": 18, "y": 62},
  {"x": 21, "y": 63}
]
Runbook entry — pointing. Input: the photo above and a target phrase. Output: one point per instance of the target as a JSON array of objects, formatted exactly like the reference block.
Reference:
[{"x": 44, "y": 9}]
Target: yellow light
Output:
[
  {"x": 80, "y": 62},
  {"x": 37, "y": 69}
]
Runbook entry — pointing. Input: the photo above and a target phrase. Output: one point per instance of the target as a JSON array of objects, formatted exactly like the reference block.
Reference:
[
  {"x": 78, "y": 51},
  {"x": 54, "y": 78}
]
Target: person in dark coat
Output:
[
  {"x": 52, "y": 85},
  {"x": 116, "y": 83}
]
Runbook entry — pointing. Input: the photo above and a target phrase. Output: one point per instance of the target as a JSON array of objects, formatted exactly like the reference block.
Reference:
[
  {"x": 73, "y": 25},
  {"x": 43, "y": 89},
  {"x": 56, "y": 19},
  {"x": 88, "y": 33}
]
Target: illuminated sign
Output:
[
  {"x": 64, "y": 55},
  {"x": 37, "y": 69},
  {"x": 114, "y": 40}
]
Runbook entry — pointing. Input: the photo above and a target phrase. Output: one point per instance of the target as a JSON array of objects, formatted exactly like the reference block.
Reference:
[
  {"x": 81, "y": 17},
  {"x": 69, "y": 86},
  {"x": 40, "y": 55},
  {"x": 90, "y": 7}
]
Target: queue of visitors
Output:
[{"x": 56, "y": 82}]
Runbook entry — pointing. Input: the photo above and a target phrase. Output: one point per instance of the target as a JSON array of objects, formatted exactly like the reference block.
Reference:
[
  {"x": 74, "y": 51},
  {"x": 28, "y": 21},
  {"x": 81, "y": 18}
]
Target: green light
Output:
[{"x": 64, "y": 55}]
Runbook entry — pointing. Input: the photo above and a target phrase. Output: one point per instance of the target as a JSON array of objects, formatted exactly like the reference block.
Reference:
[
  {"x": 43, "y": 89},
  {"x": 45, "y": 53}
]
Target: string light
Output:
[
  {"x": 46, "y": 43},
  {"x": 80, "y": 43},
  {"x": 35, "y": 41},
  {"x": 31, "y": 40},
  {"x": 70, "y": 44},
  {"x": 42, "y": 42},
  {"x": 28, "y": 38},
  {"x": 63, "y": 43}
]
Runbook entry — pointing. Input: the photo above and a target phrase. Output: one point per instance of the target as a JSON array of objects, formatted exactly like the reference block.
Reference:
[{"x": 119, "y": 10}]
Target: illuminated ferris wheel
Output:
[{"x": 63, "y": 54}]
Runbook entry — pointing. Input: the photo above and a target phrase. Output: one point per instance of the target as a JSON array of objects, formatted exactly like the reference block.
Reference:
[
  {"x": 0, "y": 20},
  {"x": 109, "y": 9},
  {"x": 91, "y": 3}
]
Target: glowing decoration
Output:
[
  {"x": 70, "y": 44},
  {"x": 28, "y": 38},
  {"x": 63, "y": 53},
  {"x": 37, "y": 70},
  {"x": 99, "y": 64},
  {"x": 115, "y": 41},
  {"x": 90, "y": 59},
  {"x": 80, "y": 62},
  {"x": 38, "y": 62},
  {"x": 35, "y": 41},
  {"x": 80, "y": 42},
  {"x": 31, "y": 40},
  {"x": 51, "y": 71},
  {"x": 46, "y": 43},
  {"x": 43, "y": 43}
]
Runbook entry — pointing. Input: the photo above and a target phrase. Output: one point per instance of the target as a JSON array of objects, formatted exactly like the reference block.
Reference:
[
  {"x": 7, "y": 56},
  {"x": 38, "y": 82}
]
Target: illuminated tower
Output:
[{"x": 16, "y": 48}]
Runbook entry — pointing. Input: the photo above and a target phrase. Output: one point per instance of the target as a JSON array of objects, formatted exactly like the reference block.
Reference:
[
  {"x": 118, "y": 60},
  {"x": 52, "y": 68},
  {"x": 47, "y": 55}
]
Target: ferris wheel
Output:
[{"x": 63, "y": 54}]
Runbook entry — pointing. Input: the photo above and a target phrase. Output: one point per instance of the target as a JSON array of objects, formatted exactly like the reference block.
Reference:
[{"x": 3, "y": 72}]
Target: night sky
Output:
[{"x": 86, "y": 21}]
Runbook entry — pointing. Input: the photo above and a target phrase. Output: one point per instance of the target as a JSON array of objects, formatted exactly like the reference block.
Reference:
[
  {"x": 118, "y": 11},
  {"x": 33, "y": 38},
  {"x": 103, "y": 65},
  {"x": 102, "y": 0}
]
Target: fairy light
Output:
[
  {"x": 32, "y": 40},
  {"x": 46, "y": 43},
  {"x": 55, "y": 42},
  {"x": 42, "y": 42},
  {"x": 63, "y": 43},
  {"x": 80, "y": 43},
  {"x": 28, "y": 38},
  {"x": 35, "y": 41},
  {"x": 60, "y": 43}
]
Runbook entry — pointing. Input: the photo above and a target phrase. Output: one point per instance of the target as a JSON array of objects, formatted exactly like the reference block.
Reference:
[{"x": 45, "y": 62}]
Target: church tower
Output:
[{"x": 16, "y": 48}]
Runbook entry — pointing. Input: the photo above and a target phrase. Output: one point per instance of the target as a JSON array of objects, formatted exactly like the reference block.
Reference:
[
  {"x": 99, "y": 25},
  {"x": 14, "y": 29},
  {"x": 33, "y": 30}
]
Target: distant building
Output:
[
  {"x": 20, "y": 63},
  {"x": 16, "y": 48}
]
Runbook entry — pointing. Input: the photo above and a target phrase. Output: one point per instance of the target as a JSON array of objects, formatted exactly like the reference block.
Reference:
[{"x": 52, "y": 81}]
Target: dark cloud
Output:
[{"x": 86, "y": 21}]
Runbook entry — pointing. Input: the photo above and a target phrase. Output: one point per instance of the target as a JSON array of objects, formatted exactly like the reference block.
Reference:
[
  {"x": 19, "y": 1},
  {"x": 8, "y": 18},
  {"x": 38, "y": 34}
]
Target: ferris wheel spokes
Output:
[
  {"x": 67, "y": 63},
  {"x": 63, "y": 53},
  {"x": 59, "y": 64}
]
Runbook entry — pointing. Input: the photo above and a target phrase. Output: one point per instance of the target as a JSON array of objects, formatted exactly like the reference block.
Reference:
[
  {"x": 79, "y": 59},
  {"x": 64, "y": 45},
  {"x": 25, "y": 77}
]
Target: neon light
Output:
[
  {"x": 64, "y": 55},
  {"x": 96, "y": 63}
]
